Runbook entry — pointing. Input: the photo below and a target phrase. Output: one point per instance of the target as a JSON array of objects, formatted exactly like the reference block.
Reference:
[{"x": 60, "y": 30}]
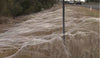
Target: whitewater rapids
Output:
[{"x": 41, "y": 36}]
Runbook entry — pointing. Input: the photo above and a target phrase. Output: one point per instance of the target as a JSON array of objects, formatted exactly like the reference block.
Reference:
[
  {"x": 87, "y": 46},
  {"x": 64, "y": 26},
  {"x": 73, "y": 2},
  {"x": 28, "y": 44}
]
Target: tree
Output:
[{"x": 21, "y": 7}]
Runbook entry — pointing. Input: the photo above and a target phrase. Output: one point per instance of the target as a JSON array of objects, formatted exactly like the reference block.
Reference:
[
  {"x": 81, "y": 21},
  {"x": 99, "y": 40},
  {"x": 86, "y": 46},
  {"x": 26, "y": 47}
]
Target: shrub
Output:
[{"x": 21, "y": 7}]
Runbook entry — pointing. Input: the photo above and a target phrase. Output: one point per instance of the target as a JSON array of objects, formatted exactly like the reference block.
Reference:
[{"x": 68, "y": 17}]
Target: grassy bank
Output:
[{"x": 86, "y": 11}]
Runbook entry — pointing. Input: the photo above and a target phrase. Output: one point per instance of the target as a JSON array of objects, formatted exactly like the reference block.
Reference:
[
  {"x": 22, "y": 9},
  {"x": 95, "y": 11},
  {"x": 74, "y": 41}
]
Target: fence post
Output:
[{"x": 63, "y": 21}]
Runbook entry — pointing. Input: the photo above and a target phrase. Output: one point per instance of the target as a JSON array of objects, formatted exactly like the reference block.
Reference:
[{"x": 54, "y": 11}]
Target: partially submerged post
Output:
[
  {"x": 64, "y": 21},
  {"x": 90, "y": 8}
]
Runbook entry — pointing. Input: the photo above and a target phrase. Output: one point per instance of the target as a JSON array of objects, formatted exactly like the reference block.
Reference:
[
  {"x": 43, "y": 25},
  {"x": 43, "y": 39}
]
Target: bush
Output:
[{"x": 21, "y": 7}]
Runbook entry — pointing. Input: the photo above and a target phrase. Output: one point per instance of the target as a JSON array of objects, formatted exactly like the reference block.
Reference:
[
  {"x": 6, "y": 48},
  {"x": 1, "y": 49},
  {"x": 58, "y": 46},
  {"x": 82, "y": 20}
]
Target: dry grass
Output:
[
  {"x": 84, "y": 11},
  {"x": 88, "y": 12}
]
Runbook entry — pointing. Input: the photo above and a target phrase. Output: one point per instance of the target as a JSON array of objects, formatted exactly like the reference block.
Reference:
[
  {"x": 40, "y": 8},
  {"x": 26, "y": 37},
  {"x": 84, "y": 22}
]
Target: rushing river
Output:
[{"x": 41, "y": 36}]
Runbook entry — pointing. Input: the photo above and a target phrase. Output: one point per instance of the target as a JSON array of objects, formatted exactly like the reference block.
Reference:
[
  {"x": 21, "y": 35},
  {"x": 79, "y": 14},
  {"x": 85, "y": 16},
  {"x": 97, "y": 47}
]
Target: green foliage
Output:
[{"x": 21, "y": 7}]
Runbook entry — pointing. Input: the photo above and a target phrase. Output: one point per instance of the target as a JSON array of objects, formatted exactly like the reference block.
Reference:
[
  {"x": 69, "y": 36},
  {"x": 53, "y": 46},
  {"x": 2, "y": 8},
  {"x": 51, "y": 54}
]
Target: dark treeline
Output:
[{"x": 21, "y": 7}]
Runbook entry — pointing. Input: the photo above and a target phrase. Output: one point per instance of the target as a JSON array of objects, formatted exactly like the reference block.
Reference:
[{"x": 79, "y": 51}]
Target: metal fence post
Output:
[{"x": 63, "y": 21}]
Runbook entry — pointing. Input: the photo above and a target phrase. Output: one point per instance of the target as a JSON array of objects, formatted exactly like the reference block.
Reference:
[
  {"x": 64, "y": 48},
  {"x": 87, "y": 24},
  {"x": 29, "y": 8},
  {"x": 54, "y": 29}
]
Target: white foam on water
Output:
[{"x": 80, "y": 33}]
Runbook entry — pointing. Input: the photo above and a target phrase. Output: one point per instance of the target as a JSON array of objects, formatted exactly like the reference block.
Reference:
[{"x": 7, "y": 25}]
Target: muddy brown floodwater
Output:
[{"x": 41, "y": 36}]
